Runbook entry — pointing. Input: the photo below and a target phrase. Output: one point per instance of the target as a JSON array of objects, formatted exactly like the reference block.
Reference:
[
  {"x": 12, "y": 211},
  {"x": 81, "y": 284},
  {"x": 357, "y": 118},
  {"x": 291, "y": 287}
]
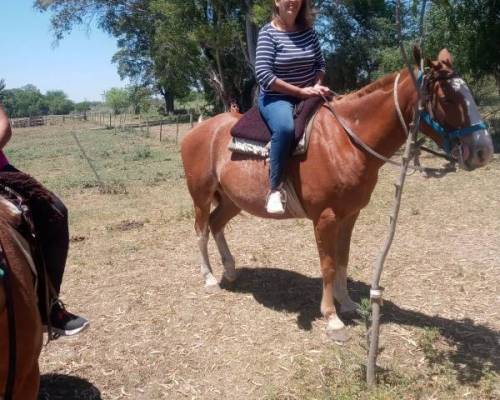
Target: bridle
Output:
[
  {"x": 446, "y": 135},
  {"x": 423, "y": 81}
]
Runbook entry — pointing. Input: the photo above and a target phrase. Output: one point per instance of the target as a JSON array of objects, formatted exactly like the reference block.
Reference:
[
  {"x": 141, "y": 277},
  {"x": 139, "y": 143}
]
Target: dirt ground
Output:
[{"x": 133, "y": 270}]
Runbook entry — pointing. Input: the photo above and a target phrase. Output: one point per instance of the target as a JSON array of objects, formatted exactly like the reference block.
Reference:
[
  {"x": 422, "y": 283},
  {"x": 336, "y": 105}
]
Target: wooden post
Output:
[
  {"x": 110, "y": 121},
  {"x": 191, "y": 119},
  {"x": 161, "y": 128},
  {"x": 375, "y": 290}
]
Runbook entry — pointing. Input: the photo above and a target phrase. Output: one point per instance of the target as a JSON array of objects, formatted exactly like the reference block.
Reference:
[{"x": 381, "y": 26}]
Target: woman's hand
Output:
[
  {"x": 309, "y": 91},
  {"x": 323, "y": 90}
]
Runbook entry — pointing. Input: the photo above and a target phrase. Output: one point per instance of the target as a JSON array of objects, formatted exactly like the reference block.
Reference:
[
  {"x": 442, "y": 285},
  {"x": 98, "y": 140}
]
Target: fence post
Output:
[
  {"x": 161, "y": 128},
  {"x": 191, "y": 119}
]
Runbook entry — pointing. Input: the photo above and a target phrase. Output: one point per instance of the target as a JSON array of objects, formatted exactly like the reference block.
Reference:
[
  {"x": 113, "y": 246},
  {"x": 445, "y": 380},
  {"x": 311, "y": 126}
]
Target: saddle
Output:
[{"x": 251, "y": 135}]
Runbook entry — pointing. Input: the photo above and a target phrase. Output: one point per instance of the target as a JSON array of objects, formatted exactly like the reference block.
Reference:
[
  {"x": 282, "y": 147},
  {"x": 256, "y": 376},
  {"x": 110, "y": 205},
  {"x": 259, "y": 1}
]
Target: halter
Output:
[{"x": 446, "y": 135}]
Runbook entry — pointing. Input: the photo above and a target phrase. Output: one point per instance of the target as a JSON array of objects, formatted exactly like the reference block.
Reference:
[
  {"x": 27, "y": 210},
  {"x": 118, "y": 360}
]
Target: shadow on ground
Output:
[
  {"x": 66, "y": 387},
  {"x": 476, "y": 347}
]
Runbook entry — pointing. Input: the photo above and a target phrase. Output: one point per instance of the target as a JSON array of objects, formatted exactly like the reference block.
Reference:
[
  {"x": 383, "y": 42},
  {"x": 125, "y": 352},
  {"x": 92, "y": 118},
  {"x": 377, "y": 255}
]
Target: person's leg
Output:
[
  {"x": 50, "y": 220},
  {"x": 55, "y": 243},
  {"x": 277, "y": 112}
]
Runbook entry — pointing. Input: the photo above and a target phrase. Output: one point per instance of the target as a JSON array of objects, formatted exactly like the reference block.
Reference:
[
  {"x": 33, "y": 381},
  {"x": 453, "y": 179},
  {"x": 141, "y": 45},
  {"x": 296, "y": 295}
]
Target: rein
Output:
[{"x": 5, "y": 279}]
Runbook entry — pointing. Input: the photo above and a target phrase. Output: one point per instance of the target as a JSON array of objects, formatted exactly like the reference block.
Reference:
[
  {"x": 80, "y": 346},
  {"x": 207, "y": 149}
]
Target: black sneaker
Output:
[{"x": 64, "y": 323}]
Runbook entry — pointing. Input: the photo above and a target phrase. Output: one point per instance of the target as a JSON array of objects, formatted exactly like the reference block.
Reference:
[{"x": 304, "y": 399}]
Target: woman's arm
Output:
[
  {"x": 5, "y": 130},
  {"x": 281, "y": 86}
]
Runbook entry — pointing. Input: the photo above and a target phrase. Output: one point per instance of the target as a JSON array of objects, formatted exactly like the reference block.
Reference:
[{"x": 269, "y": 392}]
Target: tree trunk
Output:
[
  {"x": 251, "y": 33},
  {"x": 169, "y": 102}
]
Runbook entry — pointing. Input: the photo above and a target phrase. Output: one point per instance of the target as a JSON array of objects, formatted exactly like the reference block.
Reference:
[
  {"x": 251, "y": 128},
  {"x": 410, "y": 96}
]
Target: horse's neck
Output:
[{"x": 374, "y": 118}]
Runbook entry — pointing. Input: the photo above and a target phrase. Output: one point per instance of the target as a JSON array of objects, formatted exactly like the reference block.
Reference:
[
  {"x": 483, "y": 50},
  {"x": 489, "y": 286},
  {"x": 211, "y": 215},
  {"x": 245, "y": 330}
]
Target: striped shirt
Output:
[{"x": 294, "y": 57}]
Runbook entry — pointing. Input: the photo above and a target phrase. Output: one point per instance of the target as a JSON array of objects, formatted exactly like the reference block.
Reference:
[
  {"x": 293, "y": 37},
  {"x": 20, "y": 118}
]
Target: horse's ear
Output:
[
  {"x": 445, "y": 57},
  {"x": 417, "y": 54}
]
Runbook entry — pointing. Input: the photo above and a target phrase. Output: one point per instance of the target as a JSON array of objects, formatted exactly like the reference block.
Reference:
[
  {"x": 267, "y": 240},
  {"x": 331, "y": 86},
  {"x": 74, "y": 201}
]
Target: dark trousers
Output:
[{"x": 50, "y": 218}]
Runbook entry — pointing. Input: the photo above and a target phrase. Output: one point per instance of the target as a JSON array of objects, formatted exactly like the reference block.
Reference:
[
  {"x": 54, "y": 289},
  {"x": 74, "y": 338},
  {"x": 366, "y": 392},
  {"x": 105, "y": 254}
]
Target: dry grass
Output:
[{"x": 155, "y": 334}]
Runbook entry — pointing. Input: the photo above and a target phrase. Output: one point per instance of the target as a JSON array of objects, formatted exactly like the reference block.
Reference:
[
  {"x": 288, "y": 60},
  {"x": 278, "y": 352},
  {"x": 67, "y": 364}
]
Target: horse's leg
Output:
[
  {"x": 201, "y": 214},
  {"x": 326, "y": 229},
  {"x": 219, "y": 217},
  {"x": 347, "y": 305}
]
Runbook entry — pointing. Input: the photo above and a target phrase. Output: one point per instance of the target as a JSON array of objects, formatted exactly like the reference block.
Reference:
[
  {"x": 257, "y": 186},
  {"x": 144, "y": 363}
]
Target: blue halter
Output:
[{"x": 447, "y": 136}]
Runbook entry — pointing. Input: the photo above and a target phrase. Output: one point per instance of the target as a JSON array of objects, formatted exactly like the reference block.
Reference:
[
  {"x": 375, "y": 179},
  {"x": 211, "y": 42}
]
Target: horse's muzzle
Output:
[{"x": 477, "y": 150}]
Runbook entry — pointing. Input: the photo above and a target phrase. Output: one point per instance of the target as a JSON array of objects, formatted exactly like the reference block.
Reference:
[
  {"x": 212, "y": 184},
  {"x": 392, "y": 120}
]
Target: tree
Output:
[
  {"x": 172, "y": 44},
  {"x": 24, "y": 102},
  {"x": 139, "y": 98},
  {"x": 470, "y": 30},
  {"x": 83, "y": 106},
  {"x": 356, "y": 37},
  {"x": 117, "y": 99},
  {"x": 58, "y": 103},
  {"x": 2, "y": 90}
]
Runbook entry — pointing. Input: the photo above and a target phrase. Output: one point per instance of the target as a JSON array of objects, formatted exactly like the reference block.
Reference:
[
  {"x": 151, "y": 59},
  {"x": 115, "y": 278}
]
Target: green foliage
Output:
[
  {"x": 139, "y": 98},
  {"x": 84, "y": 106},
  {"x": 2, "y": 89},
  {"x": 24, "y": 102},
  {"x": 470, "y": 30},
  {"x": 174, "y": 46},
  {"x": 117, "y": 99},
  {"x": 58, "y": 103}
]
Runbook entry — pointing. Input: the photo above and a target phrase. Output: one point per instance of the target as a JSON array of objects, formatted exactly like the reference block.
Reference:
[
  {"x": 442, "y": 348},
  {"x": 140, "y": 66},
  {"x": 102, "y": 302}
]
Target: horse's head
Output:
[{"x": 451, "y": 117}]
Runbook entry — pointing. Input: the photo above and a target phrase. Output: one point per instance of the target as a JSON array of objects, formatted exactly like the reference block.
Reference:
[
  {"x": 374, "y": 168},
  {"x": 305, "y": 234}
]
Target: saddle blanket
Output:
[{"x": 250, "y": 135}]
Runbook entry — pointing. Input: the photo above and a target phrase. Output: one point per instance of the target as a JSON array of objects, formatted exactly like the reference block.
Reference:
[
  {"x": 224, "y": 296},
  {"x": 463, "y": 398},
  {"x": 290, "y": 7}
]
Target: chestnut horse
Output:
[
  {"x": 336, "y": 177},
  {"x": 28, "y": 327}
]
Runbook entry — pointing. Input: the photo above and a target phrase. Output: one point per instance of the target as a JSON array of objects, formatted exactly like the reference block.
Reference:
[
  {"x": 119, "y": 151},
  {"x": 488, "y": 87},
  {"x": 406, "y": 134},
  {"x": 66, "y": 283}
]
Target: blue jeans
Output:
[{"x": 277, "y": 112}]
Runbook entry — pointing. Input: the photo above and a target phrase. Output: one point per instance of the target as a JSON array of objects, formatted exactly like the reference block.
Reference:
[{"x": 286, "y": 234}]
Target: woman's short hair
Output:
[{"x": 305, "y": 17}]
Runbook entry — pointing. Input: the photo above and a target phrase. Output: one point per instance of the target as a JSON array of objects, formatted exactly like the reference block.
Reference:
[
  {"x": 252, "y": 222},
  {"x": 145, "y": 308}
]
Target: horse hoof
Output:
[
  {"x": 338, "y": 335},
  {"x": 230, "y": 278},
  {"x": 225, "y": 283}
]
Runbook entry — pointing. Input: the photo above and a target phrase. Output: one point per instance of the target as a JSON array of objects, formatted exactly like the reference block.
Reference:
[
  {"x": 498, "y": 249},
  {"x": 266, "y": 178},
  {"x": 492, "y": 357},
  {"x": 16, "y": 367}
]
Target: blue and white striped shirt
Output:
[{"x": 294, "y": 57}]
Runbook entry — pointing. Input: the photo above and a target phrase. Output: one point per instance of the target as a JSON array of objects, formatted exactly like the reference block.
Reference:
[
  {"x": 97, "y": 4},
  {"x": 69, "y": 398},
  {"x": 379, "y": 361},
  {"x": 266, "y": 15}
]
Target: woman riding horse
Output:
[
  {"x": 289, "y": 67},
  {"x": 50, "y": 218},
  {"x": 334, "y": 180}
]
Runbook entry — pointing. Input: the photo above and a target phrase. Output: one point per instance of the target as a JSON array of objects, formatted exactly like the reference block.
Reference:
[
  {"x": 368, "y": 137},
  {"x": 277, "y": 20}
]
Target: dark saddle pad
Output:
[{"x": 252, "y": 126}]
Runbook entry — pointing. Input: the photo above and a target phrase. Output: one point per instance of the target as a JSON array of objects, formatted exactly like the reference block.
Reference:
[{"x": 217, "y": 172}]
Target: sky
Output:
[{"x": 80, "y": 65}]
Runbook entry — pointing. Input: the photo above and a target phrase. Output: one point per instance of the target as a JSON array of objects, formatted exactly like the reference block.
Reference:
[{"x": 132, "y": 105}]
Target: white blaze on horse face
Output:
[{"x": 459, "y": 86}]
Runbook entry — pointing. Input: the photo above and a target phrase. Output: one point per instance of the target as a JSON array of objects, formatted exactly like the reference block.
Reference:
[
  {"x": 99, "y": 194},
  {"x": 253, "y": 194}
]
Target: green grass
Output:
[{"x": 120, "y": 160}]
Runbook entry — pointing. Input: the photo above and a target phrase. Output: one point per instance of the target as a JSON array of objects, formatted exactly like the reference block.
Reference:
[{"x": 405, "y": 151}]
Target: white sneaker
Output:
[{"x": 274, "y": 203}]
